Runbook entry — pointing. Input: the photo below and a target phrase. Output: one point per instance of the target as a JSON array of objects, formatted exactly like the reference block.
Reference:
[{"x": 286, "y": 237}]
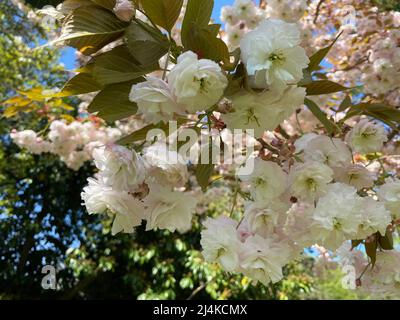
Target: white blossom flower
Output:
[
  {"x": 287, "y": 10},
  {"x": 262, "y": 259},
  {"x": 75, "y": 159},
  {"x": 120, "y": 168},
  {"x": 234, "y": 35},
  {"x": 155, "y": 100},
  {"x": 73, "y": 142},
  {"x": 262, "y": 218},
  {"x": 25, "y": 137},
  {"x": 348, "y": 256},
  {"x": 267, "y": 180},
  {"x": 168, "y": 209},
  {"x": 220, "y": 242},
  {"x": 383, "y": 280},
  {"x": 309, "y": 181},
  {"x": 389, "y": 194},
  {"x": 366, "y": 137},
  {"x": 126, "y": 210},
  {"x": 355, "y": 175},
  {"x": 264, "y": 111},
  {"x": 298, "y": 223},
  {"x": 197, "y": 84},
  {"x": 374, "y": 218},
  {"x": 229, "y": 15},
  {"x": 343, "y": 215},
  {"x": 167, "y": 167},
  {"x": 29, "y": 139},
  {"x": 245, "y": 9},
  {"x": 272, "y": 53},
  {"x": 302, "y": 142},
  {"x": 336, "y": 216},
  {"x": 331, "y": 151}
]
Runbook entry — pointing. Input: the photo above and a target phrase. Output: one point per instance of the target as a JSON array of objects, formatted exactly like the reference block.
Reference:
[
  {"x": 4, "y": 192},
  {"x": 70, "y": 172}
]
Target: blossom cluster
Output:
[
  {"x": 323, "y": 198},
  {"x": 130, "y": 188},
  {"x": 367, "y": 52},
  {"x": 244, "y": 16},
  {"x": 193, "y": 85},
  {"x": 72, "y": 142}
]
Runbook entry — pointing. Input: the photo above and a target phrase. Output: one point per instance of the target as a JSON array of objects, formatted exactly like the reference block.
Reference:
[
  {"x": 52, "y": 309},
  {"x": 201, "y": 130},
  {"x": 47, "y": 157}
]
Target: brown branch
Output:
[
  {"x": 317, "y": 10},
  {"x": 196, "y": 291},
  {"x": 358, "y": 63}
]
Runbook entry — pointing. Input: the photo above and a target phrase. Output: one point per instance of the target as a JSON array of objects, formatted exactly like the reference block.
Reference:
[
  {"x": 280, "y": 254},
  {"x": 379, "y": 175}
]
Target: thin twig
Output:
[
  {"x": 365, "y": 269},
  {"x": 298, "y": 124},
  {"x": 317, "y": 10},
  {"x": 196, "y": 291},
  {"x": 166, "y": 63},
  {"x": 234, "y": 199}
]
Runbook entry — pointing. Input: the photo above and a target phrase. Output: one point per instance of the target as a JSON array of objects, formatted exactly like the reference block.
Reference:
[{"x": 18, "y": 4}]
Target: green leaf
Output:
[
  {"x": 236, "y": 81},
  {"x": 380, "y": 111},
  {"x": 137, "y": 135},
  {"x": 198, "y": 13},
  {"x": 141, "y": 134},
  {"x": 330, "y": 126},
  {"x": 163, "y": 13},
  {"x": 385, "y": 242},
  {"x": 320, "y": 75},
  {"x": 41, "y": 3},
  {"x": 204, "y": 171},
  {"x": 11, "y": 111},
  {"x": 231, "y": 66},
  {"x": 79, "y": 84},
  {"x": 307, "y": 78},
  {"x": 206, "y": 45},
  {"x": 214, "y": 29},
  {"x": 370, "y": 249},
  {"x": 203, "y": 174},
  {"x": 146, "y": 44},
  {"x": 112, "y": 103},
  {"x": 319, "y": 87},
  {"x": 346, "y": 103},
  {"x": 317, "y": 57},
  {"x": 200, "y": 37},
  {"x": 108, "y": 4},
  {"x": 90, "y": 28},
  {"x": 118, "y": 65}
]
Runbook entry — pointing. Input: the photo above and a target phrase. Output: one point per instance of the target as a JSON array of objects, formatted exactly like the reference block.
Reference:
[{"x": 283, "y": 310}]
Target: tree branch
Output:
[{"x": 317, "y": 10}]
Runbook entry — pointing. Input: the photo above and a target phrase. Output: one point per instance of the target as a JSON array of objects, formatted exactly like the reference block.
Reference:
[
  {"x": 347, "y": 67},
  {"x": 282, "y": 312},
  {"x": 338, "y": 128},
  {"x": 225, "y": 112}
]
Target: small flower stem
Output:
[
  {"x": 298, "y": 124},
  {"x": 365, "y": 269},
  {"x": 234, "y": 199},
  {"x": 166, "y": 63}
]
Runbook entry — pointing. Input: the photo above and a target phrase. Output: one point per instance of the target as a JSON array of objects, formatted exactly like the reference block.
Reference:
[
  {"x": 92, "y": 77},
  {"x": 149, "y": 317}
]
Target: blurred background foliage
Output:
[
  {"x": 43, "y": 222},
  {"x": 388, "y": 4}
]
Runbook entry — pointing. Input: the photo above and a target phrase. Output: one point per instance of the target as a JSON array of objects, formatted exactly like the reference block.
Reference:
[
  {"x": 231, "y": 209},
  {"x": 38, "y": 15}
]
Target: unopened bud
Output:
[{"x": 124, "y": 10}]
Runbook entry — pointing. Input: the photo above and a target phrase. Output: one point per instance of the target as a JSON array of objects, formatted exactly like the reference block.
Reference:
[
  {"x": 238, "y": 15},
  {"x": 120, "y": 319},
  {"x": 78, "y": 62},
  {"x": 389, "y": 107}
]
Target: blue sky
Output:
[{"x": 68, "y": 56}]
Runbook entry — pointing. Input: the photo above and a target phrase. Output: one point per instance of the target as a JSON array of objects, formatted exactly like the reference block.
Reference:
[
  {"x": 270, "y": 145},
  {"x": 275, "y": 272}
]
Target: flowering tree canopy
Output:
[{"x": 293, "y": 106}]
